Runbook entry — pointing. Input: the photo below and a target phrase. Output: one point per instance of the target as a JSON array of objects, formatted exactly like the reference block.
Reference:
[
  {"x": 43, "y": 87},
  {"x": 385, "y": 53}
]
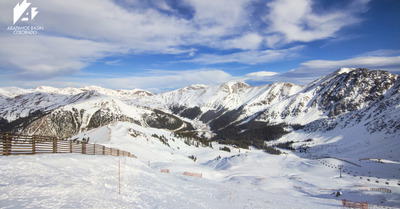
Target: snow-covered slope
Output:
[
  {"x": 17, "y": 102},
  {"x": 237, "y": 179},
  {"x": 228, "y": 96}
]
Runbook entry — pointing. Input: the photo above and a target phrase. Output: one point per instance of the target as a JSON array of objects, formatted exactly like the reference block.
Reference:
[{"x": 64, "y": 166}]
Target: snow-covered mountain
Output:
[
  {"x": 236, "y": 111},
  {"x": 342, "y": 91},
  {"x": 232, "y": 112}
]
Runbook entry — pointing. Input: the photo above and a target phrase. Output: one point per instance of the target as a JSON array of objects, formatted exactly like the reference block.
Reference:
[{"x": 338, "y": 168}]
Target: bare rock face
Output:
[
  {"x": 352, "y": 91},
  {"x": 60, "y": 124}
]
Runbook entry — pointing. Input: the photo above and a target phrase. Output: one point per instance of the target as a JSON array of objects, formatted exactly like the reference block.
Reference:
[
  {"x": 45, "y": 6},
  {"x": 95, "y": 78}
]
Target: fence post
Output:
[
  {"x": 70, "y": 146},
  {"x": 9, "y": 144},
  {"x": 6, "y": 145},
  {"x": 33, "y": 145},
  {"x": 83, "y": 148},
  {"x": 104, "y": 150},
  {"x": 117, "y": 152},
  {"x": 54, "y": 145},
  {"x": 111, "y": 150},
  {"x": 94, "y": 149}
]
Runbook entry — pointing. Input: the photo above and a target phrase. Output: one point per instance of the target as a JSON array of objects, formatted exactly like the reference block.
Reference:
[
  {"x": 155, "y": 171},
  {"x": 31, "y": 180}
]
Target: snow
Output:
[
  {"x": 12, "y": 91},
  {"x": 238, "y": 179},
  {"x": 344, "y": 70},
  {"x": 363, "y": 141}
]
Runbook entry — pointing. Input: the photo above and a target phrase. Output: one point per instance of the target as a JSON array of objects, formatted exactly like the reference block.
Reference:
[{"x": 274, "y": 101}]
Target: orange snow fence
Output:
[
  {"x": 200, "y": 175},
  {"x": 349, "y": 204},
  {"x": 164, "y": 170}
]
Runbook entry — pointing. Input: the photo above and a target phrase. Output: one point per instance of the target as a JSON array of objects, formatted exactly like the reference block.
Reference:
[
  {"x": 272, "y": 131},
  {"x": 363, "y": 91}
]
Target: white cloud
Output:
[
  {"x": 48, "y": 56},
  {"x": 152, "y": 80},
  {"x": 248, "y": 41},
  {"x": 218, "y": 18},
  {"x": 299, "y": 21},
  {"x": 314, "y": 69},
  {"x": 248, "y": 57},
  {"x": 161, "y": 80},
  {"x": 383, "y": 63},
  {"x": 274, "y": 40},
  {"x": 261, "y": 74},
  {"x": 113, "y": 62},
  {"x": 78, "y": 33},
  {"x": 381, "y": 53},
  {"x": 142, "y": 30}
]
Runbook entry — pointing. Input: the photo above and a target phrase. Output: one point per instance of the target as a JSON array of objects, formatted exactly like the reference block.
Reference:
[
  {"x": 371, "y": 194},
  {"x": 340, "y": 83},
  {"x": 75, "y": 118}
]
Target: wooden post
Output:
[
  {"x": 3, "y": 139},
  {"x": 117, "y": 152},
  {"x": 94, "y": 149},
  {"x": 54, "y": 145},
  {"x": 104, "y": 150},
  {"x": 70, "y": 146},
  {"x": 83, "y": 148},
  {"x": 9, "y": 144},
  {"x": 6, "y": 145},
  {"x": 33, "y": 145},
  {"x": 111, "y": 151}
]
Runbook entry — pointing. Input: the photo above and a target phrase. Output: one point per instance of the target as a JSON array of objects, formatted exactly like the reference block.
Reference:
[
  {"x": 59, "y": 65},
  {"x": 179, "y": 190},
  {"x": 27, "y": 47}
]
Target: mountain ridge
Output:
[{"x": 232, "y": 112}]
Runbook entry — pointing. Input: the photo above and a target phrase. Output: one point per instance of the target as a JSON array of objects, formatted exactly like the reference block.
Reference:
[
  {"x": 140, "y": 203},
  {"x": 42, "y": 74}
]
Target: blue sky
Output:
[{"x": 161, "y": 45}]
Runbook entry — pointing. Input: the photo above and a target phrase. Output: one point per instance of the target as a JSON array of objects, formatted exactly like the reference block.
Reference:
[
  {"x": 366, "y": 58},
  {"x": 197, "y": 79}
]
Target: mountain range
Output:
[{"x": 348, "y": 101}]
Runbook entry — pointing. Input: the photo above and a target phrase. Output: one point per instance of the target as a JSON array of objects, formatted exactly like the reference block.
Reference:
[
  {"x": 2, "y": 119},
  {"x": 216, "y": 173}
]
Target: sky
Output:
[{"x": 162, "y": 45}]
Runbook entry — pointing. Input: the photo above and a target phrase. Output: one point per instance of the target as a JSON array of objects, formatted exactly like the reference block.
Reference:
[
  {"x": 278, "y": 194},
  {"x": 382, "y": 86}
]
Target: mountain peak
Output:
[
  {"x": 234, "y": 86},
  {"x": 344, "y": 70},
  {"x": 195, "y": 87},
  {"x": 45, "y": 88}
]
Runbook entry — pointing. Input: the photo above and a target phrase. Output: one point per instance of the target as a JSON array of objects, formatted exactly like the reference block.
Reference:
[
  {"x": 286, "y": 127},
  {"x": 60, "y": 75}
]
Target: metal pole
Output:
[{"x": 119, "y": 177}]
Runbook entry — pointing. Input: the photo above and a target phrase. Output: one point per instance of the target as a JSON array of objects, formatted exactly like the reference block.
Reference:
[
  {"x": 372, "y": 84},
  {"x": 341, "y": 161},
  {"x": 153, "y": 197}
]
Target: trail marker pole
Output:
[{"x": 119, "y": 178}]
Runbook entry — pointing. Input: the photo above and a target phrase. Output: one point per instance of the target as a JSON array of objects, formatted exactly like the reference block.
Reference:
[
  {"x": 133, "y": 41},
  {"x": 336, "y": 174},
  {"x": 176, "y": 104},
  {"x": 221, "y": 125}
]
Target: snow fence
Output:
[{"x": 12, "y": 144}]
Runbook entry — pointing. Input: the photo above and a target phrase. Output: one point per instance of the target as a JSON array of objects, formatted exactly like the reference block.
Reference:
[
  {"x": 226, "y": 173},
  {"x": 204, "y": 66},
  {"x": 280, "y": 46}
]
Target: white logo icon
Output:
[{"x": 22, "y": 11}]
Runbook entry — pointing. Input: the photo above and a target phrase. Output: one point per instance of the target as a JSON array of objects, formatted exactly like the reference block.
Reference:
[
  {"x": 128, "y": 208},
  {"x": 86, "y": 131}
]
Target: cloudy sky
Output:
[{"x": 161, "y": 45}]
